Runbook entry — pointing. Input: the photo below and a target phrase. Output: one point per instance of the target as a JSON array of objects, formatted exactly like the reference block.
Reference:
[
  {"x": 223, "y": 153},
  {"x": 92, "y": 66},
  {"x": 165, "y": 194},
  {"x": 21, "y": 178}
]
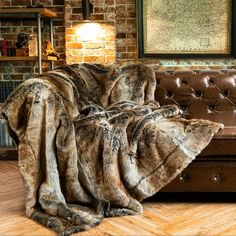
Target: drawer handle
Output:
[
  {"x": 3, "y": 153},
  {"x": 183, "y": 177},
  {"x": 216, "y": 178}
]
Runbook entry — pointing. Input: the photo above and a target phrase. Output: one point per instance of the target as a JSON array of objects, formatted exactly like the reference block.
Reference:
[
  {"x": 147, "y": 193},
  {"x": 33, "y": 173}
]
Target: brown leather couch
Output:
[{"x": 206, "y": 95}]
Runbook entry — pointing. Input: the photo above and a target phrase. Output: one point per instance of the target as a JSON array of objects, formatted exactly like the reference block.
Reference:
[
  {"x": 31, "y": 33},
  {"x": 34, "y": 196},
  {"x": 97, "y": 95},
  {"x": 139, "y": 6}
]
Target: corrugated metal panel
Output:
[
  {"x": 5, "y": 139},
  {"x": 6, "y": 87}
]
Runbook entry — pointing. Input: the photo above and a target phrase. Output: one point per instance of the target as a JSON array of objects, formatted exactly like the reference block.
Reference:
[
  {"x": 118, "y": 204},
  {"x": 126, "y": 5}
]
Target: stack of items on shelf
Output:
[{"x": 26, "y": 45}]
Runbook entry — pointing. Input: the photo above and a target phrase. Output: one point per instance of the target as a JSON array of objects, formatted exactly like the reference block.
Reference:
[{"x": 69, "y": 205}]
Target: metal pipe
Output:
[
  {"x": 51, "y": 39},
  {"x": 39, "y": 44},
  {"x": 86, "y": 9}
]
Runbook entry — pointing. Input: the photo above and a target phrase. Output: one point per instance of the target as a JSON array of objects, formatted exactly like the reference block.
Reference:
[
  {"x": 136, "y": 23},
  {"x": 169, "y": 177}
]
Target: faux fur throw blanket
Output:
[{"x": 93, "y": 143}]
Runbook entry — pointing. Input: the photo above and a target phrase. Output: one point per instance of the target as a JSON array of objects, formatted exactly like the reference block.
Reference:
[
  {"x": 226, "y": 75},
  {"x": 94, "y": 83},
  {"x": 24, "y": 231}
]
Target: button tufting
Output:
[
  {"x": 224, "y": 72},
  {"x": 169, "y": 93},
  {"x": 211, "y": 81},
  {"x": 226, "y": 93},
  {"x": 184, "y": 81},
  {"x": 211, "y": 108},
  {"x": 183, "y": 177},
  {"x": 216, "y": 178},
  {"x": 198, "y": 94},
  {"x": 170, "y": 72}
]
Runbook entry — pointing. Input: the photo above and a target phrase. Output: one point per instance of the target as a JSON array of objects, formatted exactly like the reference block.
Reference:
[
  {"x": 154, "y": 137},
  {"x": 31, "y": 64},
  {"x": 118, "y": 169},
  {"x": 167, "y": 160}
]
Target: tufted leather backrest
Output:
[{"x": 206, "y": 94}]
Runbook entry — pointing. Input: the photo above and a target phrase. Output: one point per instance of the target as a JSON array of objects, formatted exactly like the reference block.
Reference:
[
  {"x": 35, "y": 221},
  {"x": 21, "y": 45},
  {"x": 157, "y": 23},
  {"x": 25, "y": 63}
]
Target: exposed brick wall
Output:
[
  {"x": 126, "y": 31},
  {"x": 122, "y": 15},
  {"x": 9, "y": 30},
  {"x": 116, "y": 39},
  {"x": 117, "y": 28},
  {"x": 90, "y": 42},
  {"x": 114, "y": 32}
]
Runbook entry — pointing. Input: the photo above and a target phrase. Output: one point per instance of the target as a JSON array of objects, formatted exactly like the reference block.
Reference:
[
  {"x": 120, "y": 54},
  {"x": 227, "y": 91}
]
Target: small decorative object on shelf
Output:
[
  {"x": 4, "y": 47},
  {"x": 49, "y": 50},
  {"x": 22, "y": 40},
  {"x": 1, "y": 46},
  {"x": 37, "y": 5},
  {"x": 32, "y": 45},
  {"x": 22, "y": 52},
  {"x": 11, "y": 50}
]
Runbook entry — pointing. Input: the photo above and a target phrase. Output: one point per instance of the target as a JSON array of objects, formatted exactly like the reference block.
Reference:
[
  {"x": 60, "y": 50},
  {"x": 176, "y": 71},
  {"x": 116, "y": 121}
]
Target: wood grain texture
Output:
[
  {"x": 27, "y": 58},
  {"x": 43, "y": 12},
  {"x": 159, "y": 218}
]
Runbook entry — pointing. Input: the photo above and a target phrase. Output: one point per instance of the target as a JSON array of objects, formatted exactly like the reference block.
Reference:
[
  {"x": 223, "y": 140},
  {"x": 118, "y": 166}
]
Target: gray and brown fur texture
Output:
[{"x": 93, "y": 143}]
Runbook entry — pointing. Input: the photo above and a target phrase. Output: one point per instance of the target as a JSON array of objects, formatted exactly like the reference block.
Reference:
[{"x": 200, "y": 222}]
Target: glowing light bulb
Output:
[{"x": 89, "y": 31}]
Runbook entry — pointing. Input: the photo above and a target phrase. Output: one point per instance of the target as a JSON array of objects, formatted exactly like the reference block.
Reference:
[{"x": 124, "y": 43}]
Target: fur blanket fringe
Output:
[{"x": 93, "y": 143}]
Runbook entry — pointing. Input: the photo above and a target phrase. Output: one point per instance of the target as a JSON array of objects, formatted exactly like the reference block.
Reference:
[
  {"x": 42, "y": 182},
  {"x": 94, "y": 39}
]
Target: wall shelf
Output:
[
  {"x": 26, "y": 13},
  {"x": 37, "y": 14},
  {"x": 27, "y": 58}
]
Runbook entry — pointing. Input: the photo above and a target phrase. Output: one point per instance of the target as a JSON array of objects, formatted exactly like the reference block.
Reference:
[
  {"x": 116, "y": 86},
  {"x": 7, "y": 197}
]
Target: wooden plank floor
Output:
[{"x": 159, "y": 217}]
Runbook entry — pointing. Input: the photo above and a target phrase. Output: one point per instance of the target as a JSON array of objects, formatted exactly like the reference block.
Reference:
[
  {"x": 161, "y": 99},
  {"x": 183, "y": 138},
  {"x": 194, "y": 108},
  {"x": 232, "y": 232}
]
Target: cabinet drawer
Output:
[
  {"x": 7, "y": 154},
  {"x": 205, "y": 176}
]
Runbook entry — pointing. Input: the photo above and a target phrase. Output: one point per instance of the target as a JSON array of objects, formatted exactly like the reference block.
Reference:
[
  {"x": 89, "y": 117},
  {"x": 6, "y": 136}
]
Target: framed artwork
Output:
[{"x": 186, "y": 28}]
